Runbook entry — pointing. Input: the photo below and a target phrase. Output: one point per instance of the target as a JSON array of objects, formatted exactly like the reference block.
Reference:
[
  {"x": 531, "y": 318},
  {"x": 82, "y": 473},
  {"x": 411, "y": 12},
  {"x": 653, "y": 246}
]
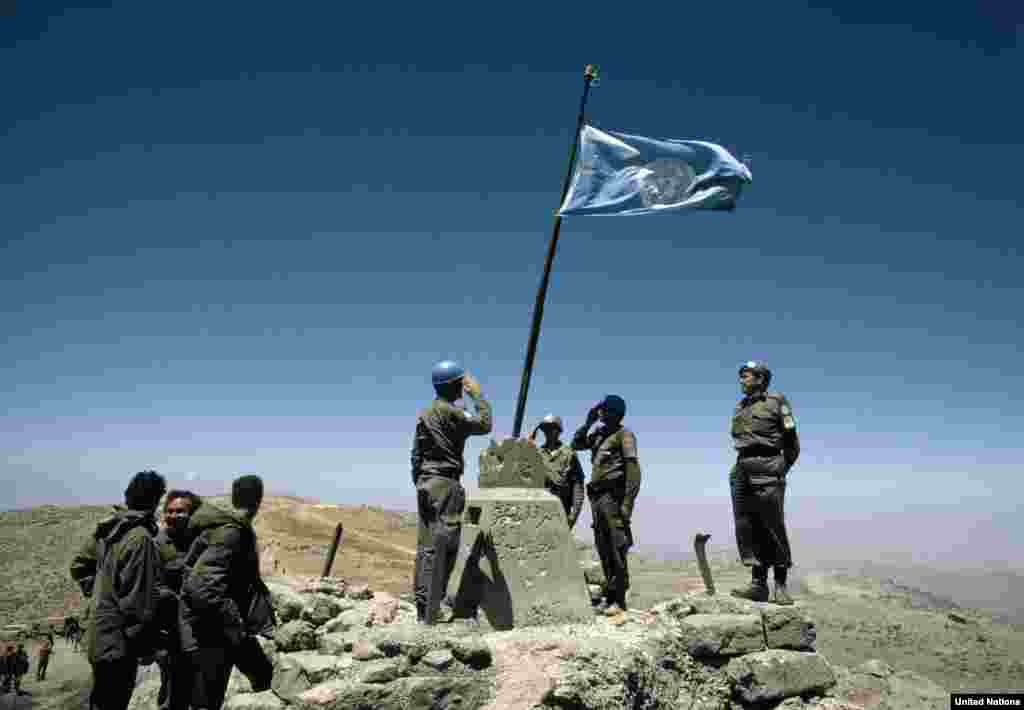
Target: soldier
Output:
[
  {"x": 7, "y": 668},
  {"x": 564, "y": 473},
  {"x": 614, "y": 484},
  {"x": 767, "y": 446},
  {"x": 20, "y": 667},
  {"x": 44, "y": 657},
  {"x": 173, "y": 541},
  {"x": 221, "y": 583},
  {"x": 437, "y": 466}
]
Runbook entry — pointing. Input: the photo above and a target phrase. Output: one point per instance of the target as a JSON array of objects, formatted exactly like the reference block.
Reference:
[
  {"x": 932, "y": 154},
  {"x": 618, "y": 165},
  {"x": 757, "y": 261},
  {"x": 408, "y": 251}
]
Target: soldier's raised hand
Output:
[{"x": 470, "y": 386}]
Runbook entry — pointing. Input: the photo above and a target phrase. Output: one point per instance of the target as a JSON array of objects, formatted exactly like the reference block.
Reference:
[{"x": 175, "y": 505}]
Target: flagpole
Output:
[{"x": 589, "y": 74}]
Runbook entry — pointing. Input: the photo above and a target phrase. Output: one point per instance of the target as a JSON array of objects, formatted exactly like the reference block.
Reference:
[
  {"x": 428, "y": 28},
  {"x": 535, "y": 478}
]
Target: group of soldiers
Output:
[
  {"x": 13, "y": 665},
  {"x": 187, "y": 595},
  {"x": 764, "y": 436}
]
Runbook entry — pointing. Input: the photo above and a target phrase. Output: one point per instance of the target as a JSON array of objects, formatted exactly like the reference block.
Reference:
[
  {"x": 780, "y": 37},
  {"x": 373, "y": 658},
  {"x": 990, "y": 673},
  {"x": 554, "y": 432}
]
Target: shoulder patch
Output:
[{"x": 628, "y": 445}]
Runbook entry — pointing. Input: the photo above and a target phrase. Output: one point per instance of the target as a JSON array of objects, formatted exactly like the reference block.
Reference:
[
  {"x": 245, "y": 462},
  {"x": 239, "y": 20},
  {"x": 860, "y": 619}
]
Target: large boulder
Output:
[
  {"x": 353, "y": 618},
  {"x": 288, "y": 603},
  {"x": 267, "y": 700},
  {"x": 775, "y": 674},
  {"x": 786, "y": 627},
  {"x": 296, "y": 636},
  {"x": 710, "y": 635},
  {"x": 321, "y": 608}
]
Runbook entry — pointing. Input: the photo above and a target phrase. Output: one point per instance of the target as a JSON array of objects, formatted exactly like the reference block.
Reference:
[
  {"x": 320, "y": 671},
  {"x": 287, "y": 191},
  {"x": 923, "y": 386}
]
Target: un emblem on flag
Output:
[{"x": 666, "y": 182}]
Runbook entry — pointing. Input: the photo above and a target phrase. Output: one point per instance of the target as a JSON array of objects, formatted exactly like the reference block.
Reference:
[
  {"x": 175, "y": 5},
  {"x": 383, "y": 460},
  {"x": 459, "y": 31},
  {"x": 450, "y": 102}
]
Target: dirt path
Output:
[{"x": 68, "y": 675}]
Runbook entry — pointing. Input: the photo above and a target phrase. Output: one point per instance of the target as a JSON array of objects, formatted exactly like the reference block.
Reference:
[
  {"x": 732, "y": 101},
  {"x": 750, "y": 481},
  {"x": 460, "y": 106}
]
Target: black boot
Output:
[
  {"x": 758, "y": 589},
  {"x": 781, "y": 595}
]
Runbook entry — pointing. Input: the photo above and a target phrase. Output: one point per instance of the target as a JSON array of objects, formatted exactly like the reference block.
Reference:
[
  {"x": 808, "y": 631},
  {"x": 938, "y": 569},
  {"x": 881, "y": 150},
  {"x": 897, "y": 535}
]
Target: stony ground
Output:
[{"x": 857, "y": 618}]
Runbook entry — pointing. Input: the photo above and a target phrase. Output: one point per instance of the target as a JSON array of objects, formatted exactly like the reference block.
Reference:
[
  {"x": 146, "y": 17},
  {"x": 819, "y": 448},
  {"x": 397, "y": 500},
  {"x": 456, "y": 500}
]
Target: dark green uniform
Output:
[
  {"x": 565, "y": 478},
  {"x": 612, "y": 492},
  {"x": 767, "y": 446},
  {"x": 175, "y": 685},
  {"x": 221, "y": 579},
  {"x": 437, "y": 467},
  {"x": 119, "y": 567}
]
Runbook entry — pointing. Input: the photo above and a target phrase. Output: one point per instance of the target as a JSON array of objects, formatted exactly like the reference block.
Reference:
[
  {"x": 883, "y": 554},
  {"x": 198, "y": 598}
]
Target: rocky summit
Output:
[{"x": 339, "y": 647}]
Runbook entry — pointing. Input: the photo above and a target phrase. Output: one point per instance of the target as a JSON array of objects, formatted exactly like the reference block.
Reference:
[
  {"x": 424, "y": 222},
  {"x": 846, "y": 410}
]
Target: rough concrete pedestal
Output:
[{"x": 517, "y": 563}]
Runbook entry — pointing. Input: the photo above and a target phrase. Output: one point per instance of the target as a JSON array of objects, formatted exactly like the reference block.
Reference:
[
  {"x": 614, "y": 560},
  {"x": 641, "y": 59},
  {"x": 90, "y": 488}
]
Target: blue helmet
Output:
[
  {"x": 446, "y": 371},
  {"x": 614, "y": 405}
]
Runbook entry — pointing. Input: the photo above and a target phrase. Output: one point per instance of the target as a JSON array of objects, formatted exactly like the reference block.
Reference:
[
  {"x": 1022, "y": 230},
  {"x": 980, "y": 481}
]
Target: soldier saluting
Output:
[
  {"x": 614, "y": 484},
  {"x": 564, "y": 473},
  {"x": 767, "y": 446}
]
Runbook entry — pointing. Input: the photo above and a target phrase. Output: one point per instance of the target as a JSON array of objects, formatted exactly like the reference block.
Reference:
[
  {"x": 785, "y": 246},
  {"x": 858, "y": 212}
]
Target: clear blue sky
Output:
[{"x": 237, "y": 236}]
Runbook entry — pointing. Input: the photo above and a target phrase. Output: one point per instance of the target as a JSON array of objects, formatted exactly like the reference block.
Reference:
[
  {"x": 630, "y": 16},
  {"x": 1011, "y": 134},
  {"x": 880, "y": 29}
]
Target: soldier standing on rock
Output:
[
  {"x": 564, "y": 473},
  {"x": 614, "y": 484},
  {"x": 173, "y": 541},
  {"x": 767, "y": 445},
  {"x": 437, "y": 466}
]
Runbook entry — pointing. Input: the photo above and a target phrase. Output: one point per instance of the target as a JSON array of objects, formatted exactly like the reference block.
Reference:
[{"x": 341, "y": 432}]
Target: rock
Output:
[
  {"x": 288, "y": 603},
  {"x": 776, "y": 674},
  {"x": 266, "y": 700},
  {"x": 831, "y": 704},
  {"x": 674, "y": 609},
  {"x": 383, "y": 609},
  {"x": 957, "y": 618},
  {"x": 439, "y": 660},
  {"x": 792, "y": 704},
  {"x": 296, "y": 636},
  {"x": 709, "y": 635},
  {"x": 443, "y": 693},
  {"x": 704, "y": 603},
  {"x": 321, "y": 608},
  {"x": 594, "y": 574},
  {"x": 365, "y": 651},
  {"x": 357, "y": 618},
  {"x": 412, "y": 641},
  {"x": 383, "y": 671},
  {"x": 875, "y": 667},
  {"x": 333, "y": 586},
  {"x": 289, "y": 679},
  {"x": 786, "y": 627},
  {"x": 316, "y": 667},
  {"x": 238, "y": 682},
  {"x": 359, "y": 591},
  {"x": 339, "y": 695},
  {"x": 341, "y": 622},
  {"x": 473, "y": 652},
  {"x": 337, "y": 643}
]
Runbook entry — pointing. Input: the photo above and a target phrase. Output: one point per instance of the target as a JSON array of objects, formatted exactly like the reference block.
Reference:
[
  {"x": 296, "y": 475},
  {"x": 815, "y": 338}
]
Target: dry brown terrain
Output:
[{"x": 858, "y": 617}]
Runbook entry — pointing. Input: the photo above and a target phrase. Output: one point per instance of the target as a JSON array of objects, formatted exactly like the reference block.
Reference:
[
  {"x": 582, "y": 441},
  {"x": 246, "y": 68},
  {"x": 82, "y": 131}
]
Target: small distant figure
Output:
[
  {"x": 20, "y": 667},
  {"x": 614, "y": 485},
  {"x": 44, "y": 658},
  {"x": 437, "y": 467},
  {"x": 764, "y": 435},
  {"x": 564, "y": 473},
  {"x": 7, "y": 668}
]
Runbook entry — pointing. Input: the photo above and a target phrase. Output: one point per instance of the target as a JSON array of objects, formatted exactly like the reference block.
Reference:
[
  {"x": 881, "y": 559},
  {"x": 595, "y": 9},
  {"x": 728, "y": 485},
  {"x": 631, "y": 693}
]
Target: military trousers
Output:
[
  {"x": 113, "y": 683},
  {"x": 175, "y": 680},
  {"x": 612, "y": 540},
  {"x": 440, "y": 503},
  {"x": 210, "y": 670},
  {"x": 758, "y": 486}
]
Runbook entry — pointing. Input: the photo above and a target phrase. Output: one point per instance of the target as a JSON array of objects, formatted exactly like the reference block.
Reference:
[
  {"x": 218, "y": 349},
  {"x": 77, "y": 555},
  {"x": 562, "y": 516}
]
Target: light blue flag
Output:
[{"x": 619, "y": 174}]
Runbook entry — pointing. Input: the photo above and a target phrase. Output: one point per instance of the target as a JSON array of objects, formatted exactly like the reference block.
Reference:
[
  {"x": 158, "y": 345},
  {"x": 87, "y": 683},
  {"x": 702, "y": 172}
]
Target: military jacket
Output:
[
  {"x": 610, "y": 448},
  {"x": 762, "y": 419},
  {"x": 440, "y": 439},
  {"x": 563, "y": 466}
]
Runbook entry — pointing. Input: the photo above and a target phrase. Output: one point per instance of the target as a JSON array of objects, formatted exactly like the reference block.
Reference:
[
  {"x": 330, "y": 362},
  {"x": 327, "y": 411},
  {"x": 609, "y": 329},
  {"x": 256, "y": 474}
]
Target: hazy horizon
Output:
[{"x": 239, "y": 245}]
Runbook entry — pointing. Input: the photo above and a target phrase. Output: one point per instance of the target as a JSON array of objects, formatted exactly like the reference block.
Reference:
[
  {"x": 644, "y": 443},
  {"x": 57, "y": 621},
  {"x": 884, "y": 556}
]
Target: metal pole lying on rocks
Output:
[{"x": 329, "y": 562}]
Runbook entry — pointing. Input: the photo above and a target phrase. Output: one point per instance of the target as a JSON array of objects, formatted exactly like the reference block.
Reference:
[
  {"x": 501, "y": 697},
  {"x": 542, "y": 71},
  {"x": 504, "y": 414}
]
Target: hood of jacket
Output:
[
  {"x": 121, "y": 521},
  {"x": 211, "y": 516}
]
